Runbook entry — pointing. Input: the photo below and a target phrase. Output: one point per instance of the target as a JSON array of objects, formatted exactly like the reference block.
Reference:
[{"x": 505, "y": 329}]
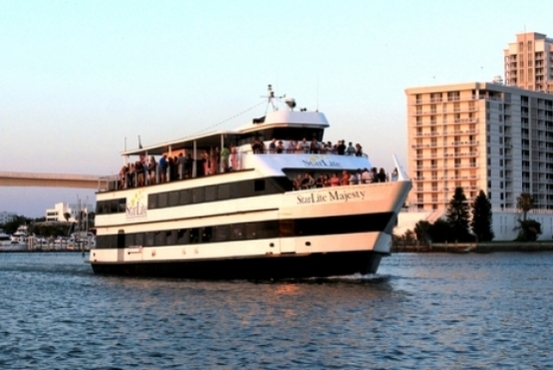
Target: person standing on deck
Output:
[
  {"x": 225, "y": 154},
  {"x": 180, "y": 166},
  {"x": 163, "y": 168},
  {"x": 350, "y": 150}
]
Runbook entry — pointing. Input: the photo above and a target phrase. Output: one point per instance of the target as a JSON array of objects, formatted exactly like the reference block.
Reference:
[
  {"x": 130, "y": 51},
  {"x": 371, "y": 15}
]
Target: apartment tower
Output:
[
  {"x": 479, "y": 136},
  {"x": 529, "y": 62}
]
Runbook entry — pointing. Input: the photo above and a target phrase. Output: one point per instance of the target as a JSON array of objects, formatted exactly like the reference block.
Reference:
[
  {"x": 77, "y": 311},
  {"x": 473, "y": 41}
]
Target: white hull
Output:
[
  {"x": 375, "y": 204},
  {"x": 13, "y": 247}
]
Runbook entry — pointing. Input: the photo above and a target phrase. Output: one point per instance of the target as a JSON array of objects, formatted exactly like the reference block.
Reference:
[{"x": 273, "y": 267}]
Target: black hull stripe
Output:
[
  {"x": 271, "y": 267},
  {"x": 289, "y": 228},
  {"x": 191, "y": 218}
]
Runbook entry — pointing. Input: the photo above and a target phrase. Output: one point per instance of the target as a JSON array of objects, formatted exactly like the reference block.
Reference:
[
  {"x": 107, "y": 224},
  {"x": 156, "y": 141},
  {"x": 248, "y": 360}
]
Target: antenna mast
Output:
[{"x": 271, "y": 97}]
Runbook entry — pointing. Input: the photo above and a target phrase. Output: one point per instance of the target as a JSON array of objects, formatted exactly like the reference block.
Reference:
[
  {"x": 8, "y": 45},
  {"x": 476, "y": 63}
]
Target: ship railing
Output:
[{"x": 236, "y": 162}]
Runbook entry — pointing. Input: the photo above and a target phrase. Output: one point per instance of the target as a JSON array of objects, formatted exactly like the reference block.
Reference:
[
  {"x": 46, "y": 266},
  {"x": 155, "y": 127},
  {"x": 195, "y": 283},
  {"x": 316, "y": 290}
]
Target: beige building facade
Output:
[
  {"x": 529, "y": 62},
  {"x": 481, "y": 136}
]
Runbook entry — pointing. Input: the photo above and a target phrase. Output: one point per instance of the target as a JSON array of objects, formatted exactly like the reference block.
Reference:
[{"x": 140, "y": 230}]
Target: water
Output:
[{"x": 422, "y": 311}]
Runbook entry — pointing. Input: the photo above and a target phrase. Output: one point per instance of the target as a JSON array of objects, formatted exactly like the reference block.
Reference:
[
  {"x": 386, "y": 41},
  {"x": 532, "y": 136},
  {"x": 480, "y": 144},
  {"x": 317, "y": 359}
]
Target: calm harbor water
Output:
[{"x": 421, "y": 311}]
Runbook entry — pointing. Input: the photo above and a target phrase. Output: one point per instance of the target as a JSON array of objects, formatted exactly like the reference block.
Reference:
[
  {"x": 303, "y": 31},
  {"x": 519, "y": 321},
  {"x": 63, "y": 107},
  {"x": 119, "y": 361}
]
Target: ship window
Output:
[
  {"x": 152, "y": 201},
  {"x": 106, "y": 241},
  {"x": 183, "y": 236},
  {"x": 267, "y": 229},
  {"x": 171, "y": 237},
  {"x": 287, "y": 228},
  {"x": 237, "y": 232},
  {"x": 129, "y": 240},
  {"x": 173, "y": 198},
  {"x": 185, "y": 196},
  {"x": 160, "y": 238},
  {"x": 241, "y": 189},
  {"x": 150, "y": 237},
  {"x": 139, "y": 239},
  {"x": 251, "y": 231},
  {"x": 221, "y": 233},
  {"x": 198, "y": 195},
  {"x": 122, "y": 205},
  {"x": 259, "y": 185},
  {"x": 224, "y": 192},
  {"x": 282, "y": 184},
  {"x": 194, "y": 235},
  {"x": 207, "y": 234},
  {"x": 210, "y": 193},
  {"x": 100, "y": 208},
  {"x": 162, "y": 201},
  {"x": 114, "y": 206},
  {"x": 111, "y": 241}
]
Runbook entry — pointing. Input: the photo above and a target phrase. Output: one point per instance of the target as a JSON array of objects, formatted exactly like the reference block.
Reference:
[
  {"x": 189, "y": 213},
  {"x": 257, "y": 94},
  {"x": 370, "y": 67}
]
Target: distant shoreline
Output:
[{"x": 475, "y": 247}]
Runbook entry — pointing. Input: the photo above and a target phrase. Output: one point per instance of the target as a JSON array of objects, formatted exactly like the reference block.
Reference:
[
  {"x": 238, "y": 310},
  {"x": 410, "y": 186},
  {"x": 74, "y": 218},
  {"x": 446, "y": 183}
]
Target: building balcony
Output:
[
  {"x": 464, "y": 143},
  {"x": 466, "y": 120},
  {"x": 427, "y": 135},
  {"x": 429, "y": 167},
  {"x": 463, "y": 154},
  {"x": 467, "y": 165},
  {"x": 460, "y": 178},
  {"x": 421, "y": 146}
]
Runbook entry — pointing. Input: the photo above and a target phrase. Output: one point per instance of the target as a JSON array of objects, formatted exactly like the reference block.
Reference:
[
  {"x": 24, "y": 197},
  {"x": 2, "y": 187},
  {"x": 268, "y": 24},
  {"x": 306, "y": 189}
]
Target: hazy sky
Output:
[{"x": 78, "y": 78}]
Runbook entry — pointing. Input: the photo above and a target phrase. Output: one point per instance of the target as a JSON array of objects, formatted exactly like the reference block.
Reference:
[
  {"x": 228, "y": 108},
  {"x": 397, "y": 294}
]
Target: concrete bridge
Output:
[{"x": 52, "y": 180}]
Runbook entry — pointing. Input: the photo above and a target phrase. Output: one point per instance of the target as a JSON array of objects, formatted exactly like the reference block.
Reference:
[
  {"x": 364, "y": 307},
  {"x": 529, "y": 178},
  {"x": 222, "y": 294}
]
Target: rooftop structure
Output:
[{"x": 529, "y": 62}]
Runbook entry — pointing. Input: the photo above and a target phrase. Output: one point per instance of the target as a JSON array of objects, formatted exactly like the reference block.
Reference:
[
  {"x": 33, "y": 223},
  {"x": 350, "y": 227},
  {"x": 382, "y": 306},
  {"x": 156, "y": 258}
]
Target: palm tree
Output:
[{"x": 525, "y": 203}]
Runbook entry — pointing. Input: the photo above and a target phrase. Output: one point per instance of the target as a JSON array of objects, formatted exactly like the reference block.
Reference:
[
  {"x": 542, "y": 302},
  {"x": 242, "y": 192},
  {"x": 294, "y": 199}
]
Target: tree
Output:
[
  {"x": 481, "y": 222},
  {"x": 421, "y": 231},
  {"x": 528, "y": 230},
  {"x": 525, "y": 203},
  {"x": 11, "y": 226},
  {"x": 409, "y": 237},
  {"x": 458, "y": 216},
  {"x": 440, "y": 231}
]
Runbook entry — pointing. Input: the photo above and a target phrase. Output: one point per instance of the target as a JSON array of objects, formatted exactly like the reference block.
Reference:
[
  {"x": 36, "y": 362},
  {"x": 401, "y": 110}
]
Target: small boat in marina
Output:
[
  {"x": 4, "y": 238},
  {"x": 16, "y": 242}
]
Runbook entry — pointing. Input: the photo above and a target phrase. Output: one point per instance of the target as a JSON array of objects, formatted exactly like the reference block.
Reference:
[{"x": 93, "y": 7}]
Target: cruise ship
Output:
[{"x": 264, "y": 208}]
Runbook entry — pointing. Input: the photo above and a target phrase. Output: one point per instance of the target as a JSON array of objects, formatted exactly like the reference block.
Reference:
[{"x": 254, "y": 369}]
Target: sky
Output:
[{"x": 79, "y": 80}]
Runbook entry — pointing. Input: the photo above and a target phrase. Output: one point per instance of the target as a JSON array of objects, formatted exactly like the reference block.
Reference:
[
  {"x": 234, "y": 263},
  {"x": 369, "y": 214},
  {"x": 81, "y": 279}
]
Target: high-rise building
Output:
[
  {"x": 479, "y": 136},
  {"x": 529, "y": 62}
]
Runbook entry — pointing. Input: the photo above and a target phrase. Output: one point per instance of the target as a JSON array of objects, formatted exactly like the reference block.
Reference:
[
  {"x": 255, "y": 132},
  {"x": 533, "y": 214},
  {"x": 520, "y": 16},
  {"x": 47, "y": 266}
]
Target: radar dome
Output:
[{"x": 290, "y": 102}]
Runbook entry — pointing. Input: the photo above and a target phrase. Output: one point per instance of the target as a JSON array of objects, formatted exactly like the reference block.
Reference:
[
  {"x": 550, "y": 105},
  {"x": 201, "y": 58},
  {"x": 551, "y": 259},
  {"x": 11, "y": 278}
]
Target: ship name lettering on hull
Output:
[{"x": 331, "y": 196}]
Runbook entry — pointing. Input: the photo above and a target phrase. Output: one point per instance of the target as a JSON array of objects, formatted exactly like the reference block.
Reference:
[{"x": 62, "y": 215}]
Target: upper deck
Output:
[
  {"x": 280, "y": 125},
  {"x": 282, "y": 142}
]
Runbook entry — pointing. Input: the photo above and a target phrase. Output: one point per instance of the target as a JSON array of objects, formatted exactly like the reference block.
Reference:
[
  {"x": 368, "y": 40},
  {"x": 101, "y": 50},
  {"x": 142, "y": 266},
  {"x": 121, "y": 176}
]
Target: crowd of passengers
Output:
[
  {"x": 365, "y": 176},
  {"x": 305, "y": 146},
  {"x": 147, "y": 171}
]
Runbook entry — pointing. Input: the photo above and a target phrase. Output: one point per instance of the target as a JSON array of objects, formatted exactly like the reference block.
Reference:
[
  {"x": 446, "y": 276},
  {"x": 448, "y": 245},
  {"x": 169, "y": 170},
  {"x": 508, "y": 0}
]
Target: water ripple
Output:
[{"x": 422, "y": 311}]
